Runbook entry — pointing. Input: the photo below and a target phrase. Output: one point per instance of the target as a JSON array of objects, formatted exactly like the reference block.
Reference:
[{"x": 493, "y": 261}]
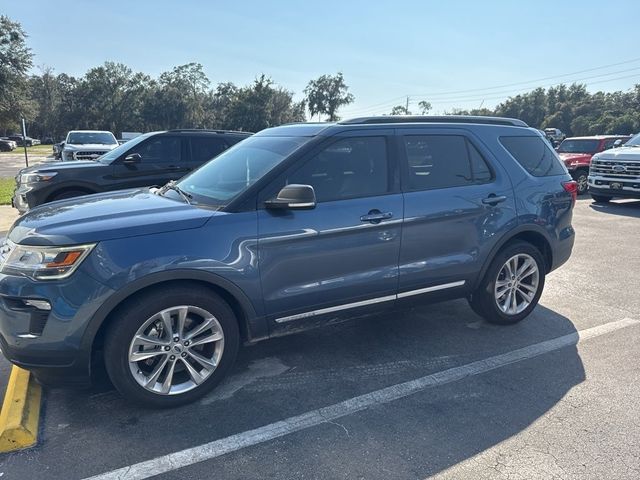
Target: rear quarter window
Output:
[{"x": 534, "y": 155}]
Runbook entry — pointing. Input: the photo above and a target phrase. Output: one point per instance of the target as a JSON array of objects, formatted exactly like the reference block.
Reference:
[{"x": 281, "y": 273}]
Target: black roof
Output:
[
  {"x": 204, "y": 130},
  {"x": 434, "y": 119}
]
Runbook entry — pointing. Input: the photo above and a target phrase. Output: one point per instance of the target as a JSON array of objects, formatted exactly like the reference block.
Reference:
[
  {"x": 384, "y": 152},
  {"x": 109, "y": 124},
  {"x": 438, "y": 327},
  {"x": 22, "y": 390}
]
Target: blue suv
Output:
[{"x": 291, "y": 228}]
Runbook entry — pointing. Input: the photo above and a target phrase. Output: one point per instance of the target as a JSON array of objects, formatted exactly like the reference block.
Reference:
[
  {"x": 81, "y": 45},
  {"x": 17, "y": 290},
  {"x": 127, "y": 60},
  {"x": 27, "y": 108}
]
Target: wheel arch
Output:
[
  {"x": 536, "y": 236},
  {"x": 251, "y": 328},
  {"x": 69, "y": 188}
]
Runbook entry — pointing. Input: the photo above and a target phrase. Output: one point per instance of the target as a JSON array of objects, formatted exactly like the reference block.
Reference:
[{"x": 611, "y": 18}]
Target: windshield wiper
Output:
[{"x": 172, "y": 185}]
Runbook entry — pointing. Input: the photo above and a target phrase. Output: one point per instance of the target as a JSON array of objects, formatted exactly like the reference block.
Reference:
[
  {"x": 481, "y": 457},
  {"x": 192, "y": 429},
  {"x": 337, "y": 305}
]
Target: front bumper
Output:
[
  {"x": 50, "y": 342},
  {"x": 601, "y": 186},
  {"x": 29, "y": 196}
]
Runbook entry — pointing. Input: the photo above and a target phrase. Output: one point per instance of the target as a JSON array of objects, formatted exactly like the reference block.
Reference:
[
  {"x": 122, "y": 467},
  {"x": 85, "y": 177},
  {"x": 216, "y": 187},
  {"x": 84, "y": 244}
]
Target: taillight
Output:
[{"x": 572, "y": 188}]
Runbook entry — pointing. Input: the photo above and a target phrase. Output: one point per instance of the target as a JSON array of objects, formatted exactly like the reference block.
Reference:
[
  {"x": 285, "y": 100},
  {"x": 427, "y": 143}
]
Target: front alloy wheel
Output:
[
  {"x": 170, "y": 346},
  {"x": 176, "y": 350}
]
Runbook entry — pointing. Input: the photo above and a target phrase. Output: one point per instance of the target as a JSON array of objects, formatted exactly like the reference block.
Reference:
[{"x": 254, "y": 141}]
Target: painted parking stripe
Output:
[{"x": 217, "y": 448}]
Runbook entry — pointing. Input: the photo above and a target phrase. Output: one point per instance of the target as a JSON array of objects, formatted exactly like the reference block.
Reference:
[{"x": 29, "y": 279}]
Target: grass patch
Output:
[
  {"x": 39, "y": 150},
  {"x": 7, "y": 186}
]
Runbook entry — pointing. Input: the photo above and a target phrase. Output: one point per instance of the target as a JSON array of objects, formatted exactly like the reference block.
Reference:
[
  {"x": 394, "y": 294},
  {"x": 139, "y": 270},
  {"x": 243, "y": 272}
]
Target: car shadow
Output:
[
  {"x": 625, "y": 208},
  {"x": 291, "y": 375}
]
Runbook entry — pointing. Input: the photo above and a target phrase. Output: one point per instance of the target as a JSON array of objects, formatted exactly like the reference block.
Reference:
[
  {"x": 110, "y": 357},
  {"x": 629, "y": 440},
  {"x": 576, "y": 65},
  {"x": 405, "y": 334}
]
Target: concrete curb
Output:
[{"x": 20, "y": 412}]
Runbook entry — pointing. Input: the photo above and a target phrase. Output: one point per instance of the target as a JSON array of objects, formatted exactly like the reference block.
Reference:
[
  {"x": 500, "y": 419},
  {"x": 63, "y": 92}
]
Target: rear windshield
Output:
[
  {"x": 579, "y": 146},
  {"x": 534, "y": 155}
]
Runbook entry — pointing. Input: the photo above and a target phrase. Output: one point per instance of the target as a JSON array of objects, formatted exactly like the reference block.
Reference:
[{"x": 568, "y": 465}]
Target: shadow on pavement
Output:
[
  {"x": 89, "y": 432},
  {"x": 627, "y": 208}
]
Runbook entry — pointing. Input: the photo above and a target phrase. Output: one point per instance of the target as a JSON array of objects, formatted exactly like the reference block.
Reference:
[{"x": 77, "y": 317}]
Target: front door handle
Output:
[
  {"x": 174, "y": 167},
  {"x": 376, "y": 216},
  {"x": 494, "y": 199}
]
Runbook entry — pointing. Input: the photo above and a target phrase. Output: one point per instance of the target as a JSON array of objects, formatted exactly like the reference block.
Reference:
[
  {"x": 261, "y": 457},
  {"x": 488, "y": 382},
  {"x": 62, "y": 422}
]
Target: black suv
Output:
[{"x": 150, "y": 159}]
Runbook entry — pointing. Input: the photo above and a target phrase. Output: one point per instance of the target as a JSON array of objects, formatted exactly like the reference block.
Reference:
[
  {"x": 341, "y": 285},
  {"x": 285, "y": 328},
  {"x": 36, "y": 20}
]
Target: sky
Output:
[{"x": 452, "y": 53}]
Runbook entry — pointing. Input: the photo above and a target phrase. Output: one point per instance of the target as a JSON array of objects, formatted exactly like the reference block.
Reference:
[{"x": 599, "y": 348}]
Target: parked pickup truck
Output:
[
  {"x": 616, "y": 173},
  {"x": 576, "y": 153},
  {"x": 86, "y": 145}
]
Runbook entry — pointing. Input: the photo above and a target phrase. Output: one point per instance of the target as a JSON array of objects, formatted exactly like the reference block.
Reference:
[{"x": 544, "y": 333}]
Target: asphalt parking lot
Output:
[{"x": 429, "y": 392}]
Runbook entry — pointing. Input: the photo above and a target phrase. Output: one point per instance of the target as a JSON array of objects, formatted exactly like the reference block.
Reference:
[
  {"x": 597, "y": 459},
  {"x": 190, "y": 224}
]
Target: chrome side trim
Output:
[
  {"x": 372, "y": 301},
  {"x": 337, "y": 308},
  {"x": 431, "y": 289}
]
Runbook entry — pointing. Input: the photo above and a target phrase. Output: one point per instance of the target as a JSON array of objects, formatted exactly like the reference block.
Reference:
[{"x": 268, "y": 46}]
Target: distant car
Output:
[
  {"x": 87, "y": 145},
  {"x": 28, "y": 140},
  {"x": 576, "y": 153},
  {"x": 615, "y": 173},
  {"x": 7, "y": 145},
  {"x": 555, "y": 134},
  {"x": 147, "y": 160}
]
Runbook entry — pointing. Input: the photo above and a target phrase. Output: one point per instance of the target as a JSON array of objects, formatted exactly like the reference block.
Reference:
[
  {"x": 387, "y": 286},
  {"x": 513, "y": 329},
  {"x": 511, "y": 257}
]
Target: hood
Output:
[
  {"x": 621, "y": 153},
  {"x": 105, "y": 216},
  {"x": 90, "y": 146},
  {"x": 58, "y": 166}
]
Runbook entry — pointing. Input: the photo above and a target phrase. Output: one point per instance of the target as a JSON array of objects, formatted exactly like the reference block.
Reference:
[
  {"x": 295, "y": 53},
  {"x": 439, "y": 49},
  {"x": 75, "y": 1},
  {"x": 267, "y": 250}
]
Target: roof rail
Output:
[
  {"x": 207, "y": 130},
  {"x": 435, "y": 119}
]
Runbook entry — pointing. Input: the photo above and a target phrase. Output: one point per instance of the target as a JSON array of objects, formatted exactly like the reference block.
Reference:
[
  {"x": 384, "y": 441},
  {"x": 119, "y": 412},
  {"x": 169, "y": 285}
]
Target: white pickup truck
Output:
[
  {"x": 87, "y": 144},
  {"x": 616, "y": 172}
]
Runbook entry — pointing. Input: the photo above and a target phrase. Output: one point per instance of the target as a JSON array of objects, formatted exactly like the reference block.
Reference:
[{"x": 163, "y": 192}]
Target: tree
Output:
[
  {"x": 183, "y": 94},
  {"x": 15, "y": 61},
  {"x": 424, "y": 107},
  {"x": 400, "y": 110},
  {"x": 326, "y": 94},
  {"x": 261, "y": 105},
  {"x": 45, "y": 92}
]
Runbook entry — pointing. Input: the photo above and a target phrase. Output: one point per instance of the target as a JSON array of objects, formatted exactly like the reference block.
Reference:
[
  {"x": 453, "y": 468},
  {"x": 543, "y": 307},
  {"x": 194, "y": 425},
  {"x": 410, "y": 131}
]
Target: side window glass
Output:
[
  {"x": 437, "y": 161},
  {"x": 159, "y": 150},
  {"x": 349, "y": 168},
  {"x": 204, "y": 149},
  {"x": 479, "y": 167}
]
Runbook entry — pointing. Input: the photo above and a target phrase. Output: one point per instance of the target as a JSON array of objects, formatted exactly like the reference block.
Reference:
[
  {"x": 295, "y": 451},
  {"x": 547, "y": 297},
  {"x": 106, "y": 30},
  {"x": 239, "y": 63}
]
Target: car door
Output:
[
  {"x": 458, "y": 200},
  {"x": 341, "y": 257},
  {"x": 162, "y": 158},
  {"x": 204, "y": 148}
]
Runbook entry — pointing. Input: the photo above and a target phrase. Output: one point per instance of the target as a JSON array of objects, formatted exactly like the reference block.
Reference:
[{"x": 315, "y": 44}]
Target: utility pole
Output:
[
  {"x": 24, "y": 142},
  {"x": 406, "y": 109}
]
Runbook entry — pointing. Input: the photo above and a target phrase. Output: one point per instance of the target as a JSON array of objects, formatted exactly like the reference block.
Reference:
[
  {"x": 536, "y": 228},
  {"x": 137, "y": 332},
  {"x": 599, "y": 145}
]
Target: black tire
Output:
[
  {"x": 483, "y": 300},
  {"x": 136, "y": 312},
  {"x": 600, "y": 198},
  {"x": 581, "y": 177},
  {"x": 68, "y": 194}
]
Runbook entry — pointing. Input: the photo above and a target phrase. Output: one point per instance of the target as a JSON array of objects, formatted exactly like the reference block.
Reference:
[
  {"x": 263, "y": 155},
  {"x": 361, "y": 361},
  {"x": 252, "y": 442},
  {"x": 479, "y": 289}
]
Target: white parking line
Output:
[{"x": 207, "y": 451}]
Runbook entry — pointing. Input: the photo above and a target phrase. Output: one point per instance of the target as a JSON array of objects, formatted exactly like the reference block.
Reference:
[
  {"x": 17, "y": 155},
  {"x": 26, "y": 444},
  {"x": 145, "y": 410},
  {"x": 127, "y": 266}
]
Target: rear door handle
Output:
[
  {"x": 174, "y": 167},
  {"x": 376, "y": 216},
  {"x": 494, "y": 199}
]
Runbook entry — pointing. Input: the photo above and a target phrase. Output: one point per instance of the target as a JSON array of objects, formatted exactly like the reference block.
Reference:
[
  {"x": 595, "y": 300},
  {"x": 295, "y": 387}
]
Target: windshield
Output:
[
  {"x": 111, "y": 155},
  {"x": 233, "y": 171},
  {"x": 579, "y": 146},
  {"x": 84, "y": 138},
  {"x": 634, "y": 142}
]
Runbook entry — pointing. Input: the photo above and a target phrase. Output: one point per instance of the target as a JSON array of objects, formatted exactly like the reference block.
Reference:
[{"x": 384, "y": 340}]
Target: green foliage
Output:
[
  {"x": 7, "y": 185},
  {"x": 573, "y": 110},
  {"x": 326, "y": 94},
  {"x": 424, "y": 107},
  {"x": 15, "y": 61},
  {"x": 400, "y": 110}
]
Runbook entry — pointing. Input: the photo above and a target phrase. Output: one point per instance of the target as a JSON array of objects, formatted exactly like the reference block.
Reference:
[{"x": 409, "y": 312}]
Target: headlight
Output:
[
  {"x": 37, "y": 177},
  {"x": 42, "y": 263}
]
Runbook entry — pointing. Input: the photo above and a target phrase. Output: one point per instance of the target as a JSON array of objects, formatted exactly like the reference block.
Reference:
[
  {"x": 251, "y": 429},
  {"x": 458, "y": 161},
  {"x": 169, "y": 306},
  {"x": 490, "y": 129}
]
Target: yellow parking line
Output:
[{"x": 20, "y": 412}]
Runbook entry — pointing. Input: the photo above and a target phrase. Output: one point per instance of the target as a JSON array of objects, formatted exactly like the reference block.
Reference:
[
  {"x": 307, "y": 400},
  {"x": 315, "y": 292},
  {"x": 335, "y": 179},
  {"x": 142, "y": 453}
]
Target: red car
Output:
[{"x": 576, "y": 153}]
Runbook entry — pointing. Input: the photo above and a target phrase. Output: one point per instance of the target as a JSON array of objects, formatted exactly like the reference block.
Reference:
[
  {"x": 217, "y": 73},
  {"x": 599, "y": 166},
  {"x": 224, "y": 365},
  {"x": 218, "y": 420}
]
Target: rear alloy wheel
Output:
[
  {"x": 512, "y": 286},
  {"x": 171, "y": 347}
]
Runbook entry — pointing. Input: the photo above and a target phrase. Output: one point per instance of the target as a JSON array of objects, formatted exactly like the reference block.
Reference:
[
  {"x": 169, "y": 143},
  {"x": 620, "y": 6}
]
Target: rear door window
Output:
[
  {"x": 534, "y": 155},
  {"x": 204, "y": 148},
  {"x": 160, "y": 149}
]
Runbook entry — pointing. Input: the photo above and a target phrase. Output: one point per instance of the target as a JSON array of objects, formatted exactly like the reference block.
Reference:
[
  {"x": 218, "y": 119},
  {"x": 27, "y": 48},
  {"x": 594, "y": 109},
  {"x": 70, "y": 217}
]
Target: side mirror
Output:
[
  {"x": 294, "y": 197},
  {"x": 133, "y": 158},
  {"x": 617, "y": 143}
]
